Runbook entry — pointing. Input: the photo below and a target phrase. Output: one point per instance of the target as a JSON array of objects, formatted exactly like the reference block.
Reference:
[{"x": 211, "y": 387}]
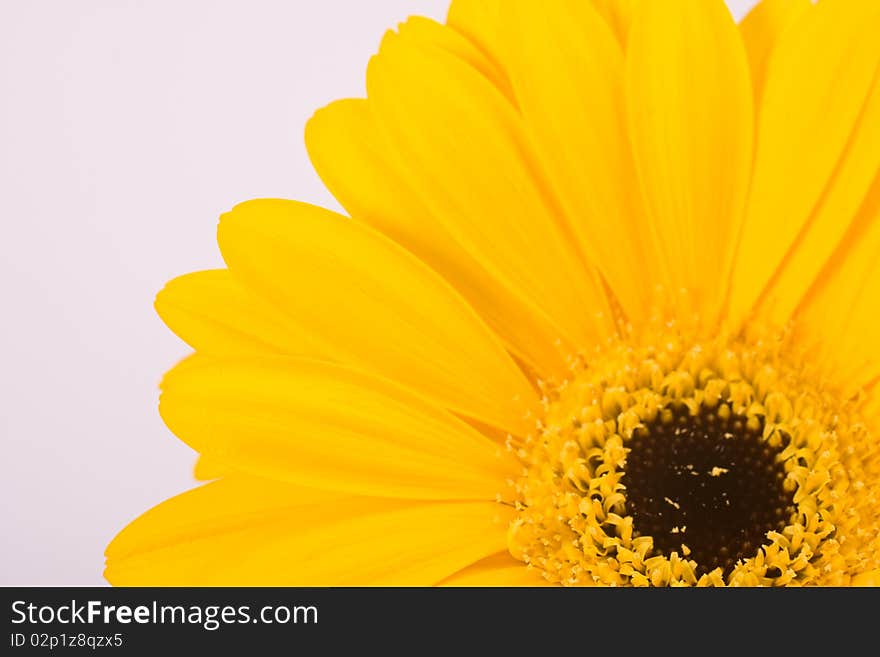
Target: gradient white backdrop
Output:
[{"x": 126, "y": 128}]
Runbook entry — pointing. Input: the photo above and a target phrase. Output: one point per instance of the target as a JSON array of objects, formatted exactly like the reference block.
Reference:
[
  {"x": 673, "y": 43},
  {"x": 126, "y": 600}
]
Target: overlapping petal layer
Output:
[
  {"x": 327, "y": 426},
  {"x": 375, "y": 305}
]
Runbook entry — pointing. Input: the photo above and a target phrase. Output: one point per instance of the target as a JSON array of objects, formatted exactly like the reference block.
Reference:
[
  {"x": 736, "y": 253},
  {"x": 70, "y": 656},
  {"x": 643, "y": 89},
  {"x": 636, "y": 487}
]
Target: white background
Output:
[{"x": 126, "y": 128}]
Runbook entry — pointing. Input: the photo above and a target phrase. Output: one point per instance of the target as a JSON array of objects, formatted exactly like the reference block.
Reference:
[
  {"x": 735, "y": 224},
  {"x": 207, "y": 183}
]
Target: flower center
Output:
[
  {"x": 706, "y": 485},
  {"x": 667, "y": 460}
]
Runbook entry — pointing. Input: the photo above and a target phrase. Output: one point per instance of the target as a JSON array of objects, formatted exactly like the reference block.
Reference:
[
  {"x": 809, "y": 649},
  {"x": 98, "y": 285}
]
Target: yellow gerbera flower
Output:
[{"x": 606, "y": 312}]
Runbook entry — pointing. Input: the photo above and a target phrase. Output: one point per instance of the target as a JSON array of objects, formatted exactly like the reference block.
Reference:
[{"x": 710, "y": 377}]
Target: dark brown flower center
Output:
[{"x": 705, "y": 486}]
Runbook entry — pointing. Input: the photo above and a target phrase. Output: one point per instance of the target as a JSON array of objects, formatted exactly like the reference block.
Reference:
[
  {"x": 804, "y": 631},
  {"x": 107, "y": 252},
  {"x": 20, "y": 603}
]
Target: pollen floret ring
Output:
[{"x": 670, "y": 461}]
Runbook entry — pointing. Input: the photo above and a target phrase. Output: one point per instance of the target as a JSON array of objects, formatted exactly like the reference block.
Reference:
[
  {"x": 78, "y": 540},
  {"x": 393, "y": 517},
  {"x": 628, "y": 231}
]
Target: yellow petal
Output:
[
  {"x": 872, "y": 403},
  {"x": 377, "y": 306},
  {"x": 325, "y": 426},
  {"x": 498, "y": 570},
  {"x": 871, "y": 578},
  {"x": 466, "y": 155},
  {"x": 567, "y": 71},
  {"x": 216, "y": 314},
  {"x": 364, "y": 175},
  {"x": 819, "y": 78},
  {"x": 435, "y": 35},
  {"x": 209, "y": 467},
  {"x": 479, "y": 21},
  {"x": 761, "y": 29},
  {"x": 249, "y": 532},
  {"x": 414, "y": 546},
  {"x": 690, "y": 115},
  {"x": 618, "y": 14},
  {"x": 841, "y": 312},
  {"x": 232, "y": 502}
]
